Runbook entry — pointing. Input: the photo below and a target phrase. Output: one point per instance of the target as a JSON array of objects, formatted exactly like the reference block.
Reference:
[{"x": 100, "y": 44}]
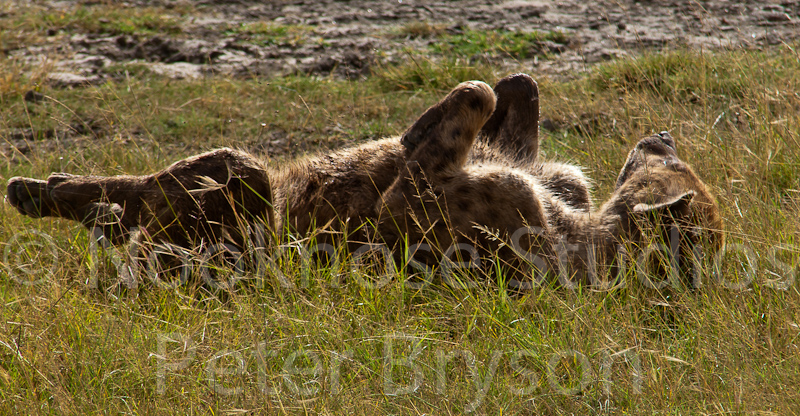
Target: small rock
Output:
[
  {"x": 524, "y": 9},
  {"x": 33, "y": 96},
  {"x": 777, "y": 17},
  {"x": 552, "y": 47},
  {"x": 178, "y": 70},
  {"x": 70, "y": 80}
]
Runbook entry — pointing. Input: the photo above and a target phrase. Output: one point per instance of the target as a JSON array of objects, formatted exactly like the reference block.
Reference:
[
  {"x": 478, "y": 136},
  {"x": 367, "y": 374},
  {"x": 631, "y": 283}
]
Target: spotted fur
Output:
[{"x": 465, "y": 174}]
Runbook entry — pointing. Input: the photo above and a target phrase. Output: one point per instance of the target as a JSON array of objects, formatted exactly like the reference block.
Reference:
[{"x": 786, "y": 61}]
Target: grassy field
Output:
[{"x": 331, "y": 343}]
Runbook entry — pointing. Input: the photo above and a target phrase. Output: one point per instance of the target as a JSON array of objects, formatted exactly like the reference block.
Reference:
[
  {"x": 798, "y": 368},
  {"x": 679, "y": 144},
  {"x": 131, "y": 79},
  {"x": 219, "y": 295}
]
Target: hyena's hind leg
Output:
[
  {"x": 513, "y": 128},
  {"x": 206, "y": 197},
  {"x": 437, "y": 146},
  {"x": 453, "y": 208},
  {"x": 211, "y": 197},
  {"x": 442, "y": 137},
  {"x": 512, "y": 134},
  {"x": 87, "y": 199}
]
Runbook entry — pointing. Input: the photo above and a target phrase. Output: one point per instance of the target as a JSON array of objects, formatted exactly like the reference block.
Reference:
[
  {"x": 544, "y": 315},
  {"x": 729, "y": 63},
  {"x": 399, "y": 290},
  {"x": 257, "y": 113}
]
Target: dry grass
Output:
[{"x": 324, "y": 345}]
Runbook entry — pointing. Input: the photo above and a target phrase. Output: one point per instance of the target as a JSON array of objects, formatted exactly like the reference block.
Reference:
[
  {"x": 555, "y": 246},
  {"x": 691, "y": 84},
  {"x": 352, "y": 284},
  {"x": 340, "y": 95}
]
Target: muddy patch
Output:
[{"x": 346, "y": 39}]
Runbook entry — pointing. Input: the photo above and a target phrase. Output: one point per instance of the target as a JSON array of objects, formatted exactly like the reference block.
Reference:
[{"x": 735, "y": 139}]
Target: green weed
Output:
[
  {"x": 518, "y": 45},
  {"x": 105, "y": 19},
  {"x": 420, "y": 30},
  {"x": 273, "y": 34},
  {"x": 419, "y": 72}
]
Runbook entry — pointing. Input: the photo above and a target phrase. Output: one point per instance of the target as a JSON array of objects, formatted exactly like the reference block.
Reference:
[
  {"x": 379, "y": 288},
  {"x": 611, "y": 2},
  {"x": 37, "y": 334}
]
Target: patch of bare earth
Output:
[{"x": 347, "y": 38}]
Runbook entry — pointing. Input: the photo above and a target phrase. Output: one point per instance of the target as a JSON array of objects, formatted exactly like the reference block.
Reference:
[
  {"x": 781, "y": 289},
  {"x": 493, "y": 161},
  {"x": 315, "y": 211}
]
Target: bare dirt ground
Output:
[{"x": 347, "y": 38}]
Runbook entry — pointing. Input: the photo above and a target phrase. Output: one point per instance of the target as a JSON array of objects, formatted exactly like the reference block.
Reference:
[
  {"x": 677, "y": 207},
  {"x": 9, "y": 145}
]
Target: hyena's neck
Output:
[{"x": 585, "y": 239}]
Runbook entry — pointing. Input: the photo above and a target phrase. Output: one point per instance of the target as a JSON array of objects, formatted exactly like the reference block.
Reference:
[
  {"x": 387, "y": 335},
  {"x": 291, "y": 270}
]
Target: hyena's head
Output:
[{"x": 660, "y": 200}]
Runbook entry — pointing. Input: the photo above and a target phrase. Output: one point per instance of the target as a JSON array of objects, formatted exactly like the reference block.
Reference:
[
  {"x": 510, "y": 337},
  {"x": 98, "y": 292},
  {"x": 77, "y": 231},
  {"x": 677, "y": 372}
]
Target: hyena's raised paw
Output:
[
  {"x": 32, "y": 197},
  {"x": 514, "y": 125},
  {"x": 449, "y": 127}
]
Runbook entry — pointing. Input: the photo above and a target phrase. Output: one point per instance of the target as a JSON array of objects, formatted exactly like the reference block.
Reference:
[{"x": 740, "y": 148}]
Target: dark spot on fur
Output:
[
  {"x": 569, "y": 191},
  {"x": 476, "y": 103},
  {"x": 464, "y": 189},
  {"x": 312, "y": 186},
  {"x": 354, "y": 183},
  {"x": 630, "y": 166},
  {"x": 464, "y": 206},
  {"x": 440, "y": 166}
]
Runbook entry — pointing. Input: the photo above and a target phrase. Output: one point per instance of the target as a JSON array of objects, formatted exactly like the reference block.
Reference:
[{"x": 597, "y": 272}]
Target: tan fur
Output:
[{"x": 466, "y": 172}]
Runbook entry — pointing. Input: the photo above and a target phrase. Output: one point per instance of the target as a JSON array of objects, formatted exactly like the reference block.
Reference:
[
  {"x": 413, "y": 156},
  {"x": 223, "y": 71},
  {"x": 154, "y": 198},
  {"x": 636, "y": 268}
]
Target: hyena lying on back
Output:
[{"x": 463, "y": 177}]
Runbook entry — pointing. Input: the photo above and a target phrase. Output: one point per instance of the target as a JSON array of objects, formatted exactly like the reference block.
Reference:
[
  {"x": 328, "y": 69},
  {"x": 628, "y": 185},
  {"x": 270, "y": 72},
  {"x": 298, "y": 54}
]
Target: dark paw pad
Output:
[{"x": 29, "y": 196}]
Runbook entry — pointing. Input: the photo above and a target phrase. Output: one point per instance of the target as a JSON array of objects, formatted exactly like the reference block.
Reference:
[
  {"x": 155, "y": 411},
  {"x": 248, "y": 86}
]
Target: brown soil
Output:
[{"x": 347, "y": 37}]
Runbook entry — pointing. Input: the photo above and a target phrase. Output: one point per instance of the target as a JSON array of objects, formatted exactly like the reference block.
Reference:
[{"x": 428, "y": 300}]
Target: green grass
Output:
[
  {"x": 422, "y": 29},
  {"x": 419, "y": 73},
  {"x": 323, "y": 344},
  {"x": 518, "y": 45},
  {"x": 99, "y": 18},
  {"x": 33, "y": 24},
  {"x": 299, "y": 113},
  {"x": 273, "y": 34},
  {"x": 678, "y": 74}
]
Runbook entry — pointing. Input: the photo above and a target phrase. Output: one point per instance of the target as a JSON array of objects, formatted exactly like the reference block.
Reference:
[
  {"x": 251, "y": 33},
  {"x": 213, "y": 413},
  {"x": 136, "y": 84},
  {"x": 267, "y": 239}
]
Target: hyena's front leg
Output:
[{"x": 206, "y": 197}]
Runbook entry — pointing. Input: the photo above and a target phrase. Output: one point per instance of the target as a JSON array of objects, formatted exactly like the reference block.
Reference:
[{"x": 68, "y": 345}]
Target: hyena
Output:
[{"x": 465, "y": 177}]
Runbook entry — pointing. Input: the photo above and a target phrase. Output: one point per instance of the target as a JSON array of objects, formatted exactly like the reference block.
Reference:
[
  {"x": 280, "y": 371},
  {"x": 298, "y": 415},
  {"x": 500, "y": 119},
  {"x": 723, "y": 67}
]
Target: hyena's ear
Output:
[
  {"x": 675, "y": 207},
  {"x": 514, "y": 125}
]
